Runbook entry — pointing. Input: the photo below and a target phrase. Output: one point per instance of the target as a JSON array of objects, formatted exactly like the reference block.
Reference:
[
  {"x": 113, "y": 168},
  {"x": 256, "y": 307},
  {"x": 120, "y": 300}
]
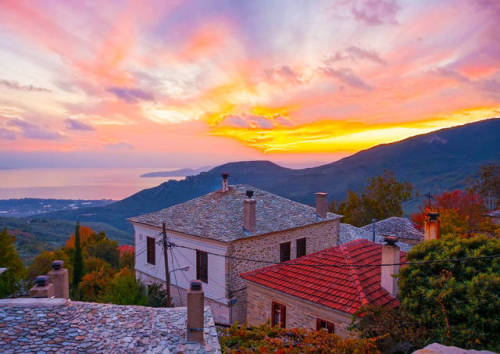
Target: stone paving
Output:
[{"x": 60, "y": 326}]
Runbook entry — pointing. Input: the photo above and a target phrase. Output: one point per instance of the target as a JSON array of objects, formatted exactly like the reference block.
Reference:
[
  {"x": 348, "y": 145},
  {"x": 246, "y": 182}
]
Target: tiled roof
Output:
[
  {"x": 348, "y": 233},
  {"x": 395, "y": 226},
  {"x": 341, "y": 288},
  {"x": 494, "y": 213},
  {"x": 57, "y": 325},
  {"x": 219, "y": 215}
]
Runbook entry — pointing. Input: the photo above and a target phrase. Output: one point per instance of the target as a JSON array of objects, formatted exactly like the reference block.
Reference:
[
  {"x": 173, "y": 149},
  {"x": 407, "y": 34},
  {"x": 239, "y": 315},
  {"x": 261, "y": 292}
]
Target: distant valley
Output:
[{"x": 32, "y": 206}]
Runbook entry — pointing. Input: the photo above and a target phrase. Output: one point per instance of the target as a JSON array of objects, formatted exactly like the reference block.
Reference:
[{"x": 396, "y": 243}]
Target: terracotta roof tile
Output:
[{"x": 341, "y": 288}]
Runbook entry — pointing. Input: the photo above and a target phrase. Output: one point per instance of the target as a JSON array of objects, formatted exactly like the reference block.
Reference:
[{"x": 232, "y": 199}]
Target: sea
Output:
[{"x": 77, "y": 183}]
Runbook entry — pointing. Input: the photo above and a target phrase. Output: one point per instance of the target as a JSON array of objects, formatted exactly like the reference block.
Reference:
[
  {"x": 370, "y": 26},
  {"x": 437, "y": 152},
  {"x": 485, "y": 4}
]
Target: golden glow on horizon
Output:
[{"x": 350, "y": 136}]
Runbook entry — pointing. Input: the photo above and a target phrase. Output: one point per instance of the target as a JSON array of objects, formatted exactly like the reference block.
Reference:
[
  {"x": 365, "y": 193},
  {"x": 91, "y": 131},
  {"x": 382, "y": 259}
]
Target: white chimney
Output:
[
  {"x": 322, "y": 204},
  {"x": 390, "y": 255},
  {"x": 225, "y": 183},
  {"x": 249, "y": 212}
]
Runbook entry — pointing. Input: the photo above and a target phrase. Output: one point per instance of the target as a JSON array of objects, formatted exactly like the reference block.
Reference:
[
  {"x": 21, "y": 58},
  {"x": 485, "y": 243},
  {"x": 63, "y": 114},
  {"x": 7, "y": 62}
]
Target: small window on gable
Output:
[
  {"x": 326, "y": 325},
  {"x": 301, "y": 247},
  {"x": 285, "y": 252},
  {"x": 150, "y": 244},
  {"x": 202, "y": 266},
  {"x": 278, "y": 315}
]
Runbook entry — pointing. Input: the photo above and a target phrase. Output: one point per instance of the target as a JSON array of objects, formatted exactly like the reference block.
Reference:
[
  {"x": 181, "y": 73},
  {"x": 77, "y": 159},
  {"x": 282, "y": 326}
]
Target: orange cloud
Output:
[{"x": 351, "y": 136}]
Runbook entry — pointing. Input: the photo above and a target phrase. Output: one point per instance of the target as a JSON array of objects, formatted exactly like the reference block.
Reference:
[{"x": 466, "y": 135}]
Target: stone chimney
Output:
[
  {"x": 59, "y": 277},
  {"x": 432, "y": 229},
  {"x": 249, "y": 212},
  {"x": 195, "y": 313},
  {"x": 225, "y": 183},
  {"x": 390, "y": 255},
  {"x": 43, "y": 287},
  {"x": 322, "y": 204}
]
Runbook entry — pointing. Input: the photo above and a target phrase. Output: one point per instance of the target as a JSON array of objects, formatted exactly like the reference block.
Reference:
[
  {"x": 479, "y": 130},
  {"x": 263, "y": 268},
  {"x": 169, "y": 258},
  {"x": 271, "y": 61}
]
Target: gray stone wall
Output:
[
  {"x": 267, "y": 248},
  {"x": 299, "y": 313}
]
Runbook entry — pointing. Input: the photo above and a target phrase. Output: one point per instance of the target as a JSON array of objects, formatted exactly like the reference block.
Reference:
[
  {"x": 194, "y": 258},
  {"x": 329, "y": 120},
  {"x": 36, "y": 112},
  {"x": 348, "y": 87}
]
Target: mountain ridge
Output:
[{"x": 435, "y": 162}]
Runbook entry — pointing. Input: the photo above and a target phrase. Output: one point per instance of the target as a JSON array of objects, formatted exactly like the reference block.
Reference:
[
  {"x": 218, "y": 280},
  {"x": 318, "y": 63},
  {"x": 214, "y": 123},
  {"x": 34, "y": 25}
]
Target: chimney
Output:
[
  {"x": 195, "y": 313},
  {"x": 42, "y": 288},
  {"x": 431, "y": 226},
  {"x": 59, "y": 277},
  {"x": 225, "y": 185},
  {"x": 249, "y": 211},
  {"x": 390, "y": 255},
  {"x": 322, "y": 204}
]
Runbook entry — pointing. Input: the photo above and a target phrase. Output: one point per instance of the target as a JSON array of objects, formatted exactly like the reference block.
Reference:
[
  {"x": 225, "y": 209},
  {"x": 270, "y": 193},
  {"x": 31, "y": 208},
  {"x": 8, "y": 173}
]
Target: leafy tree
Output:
[
  {"x": 127, "y": 258},
  {"x": 94, "y": 284},
  {"x": 157, "y": 296},
  {"x": 457, "y": 303},
  {"x": 9, "y": 280},
  {"x": 43, "y": 263},
  {"x": 99, "y": 246},
  {"x": 267, "y": 339},
  {"x": 461, "y": 213},
  {"x": 396, "y": 330},
  {"x": 487, "y": 184},
  {"x": 382, "y": 198},
  {"x": 77, "y": 259},
  {"x": 125, "y": 289}
]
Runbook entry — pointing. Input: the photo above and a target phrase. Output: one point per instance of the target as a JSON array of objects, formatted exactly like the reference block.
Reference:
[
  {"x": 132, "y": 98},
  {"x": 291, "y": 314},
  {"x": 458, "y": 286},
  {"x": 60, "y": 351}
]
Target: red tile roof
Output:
[
  {"x": 125, "y": 249},
  {"x": 341, "y": 288}
]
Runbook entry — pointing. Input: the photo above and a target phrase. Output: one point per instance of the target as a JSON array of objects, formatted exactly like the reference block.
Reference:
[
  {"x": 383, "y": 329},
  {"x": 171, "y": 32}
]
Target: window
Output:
[
  {"x": 278, "y": 315},
  {"x": 284, "y": 251},
  {"x": 301, "y": 247},
  {"x": 202, "y": 266},
  {"x": 151, "y": 250},
  {"x": 322, "y": 324}
]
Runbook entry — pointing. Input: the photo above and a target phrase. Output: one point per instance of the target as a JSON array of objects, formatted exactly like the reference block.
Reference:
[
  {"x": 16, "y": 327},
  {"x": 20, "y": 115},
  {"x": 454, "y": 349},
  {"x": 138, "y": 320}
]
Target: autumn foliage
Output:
[{"x": 267, "y": 339}]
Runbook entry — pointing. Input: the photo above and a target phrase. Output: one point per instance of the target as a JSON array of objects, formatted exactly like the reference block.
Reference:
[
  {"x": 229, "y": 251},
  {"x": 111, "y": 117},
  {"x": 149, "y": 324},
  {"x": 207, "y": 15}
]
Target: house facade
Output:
[
  {"x": 324, "y": 289},
  {"x": 234, "y": 230}
]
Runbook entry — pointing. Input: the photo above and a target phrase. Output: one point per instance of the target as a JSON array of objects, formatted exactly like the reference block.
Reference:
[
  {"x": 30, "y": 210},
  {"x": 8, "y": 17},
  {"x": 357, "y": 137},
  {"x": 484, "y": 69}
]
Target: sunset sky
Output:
[{"x": 195, "y": 83}]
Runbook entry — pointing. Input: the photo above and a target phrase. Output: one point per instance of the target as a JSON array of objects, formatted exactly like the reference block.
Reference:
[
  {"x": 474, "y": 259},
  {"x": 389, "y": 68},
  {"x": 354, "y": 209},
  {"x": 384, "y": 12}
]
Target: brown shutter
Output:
[
  {"x": 283, "y": 316},
  {"x": 150, "y": 245},
  {"x": 202, "y": 266},
  {"x": 273, "y": 318},
  {"x": 318, "y": 324},
  {"x": 331, "y": 327},
  {"x": 285, "y": 252},
  {"x": 301, "y": 247}
]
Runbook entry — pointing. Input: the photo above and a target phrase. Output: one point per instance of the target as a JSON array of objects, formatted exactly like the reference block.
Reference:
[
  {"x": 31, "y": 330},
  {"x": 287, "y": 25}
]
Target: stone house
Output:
[
  {"x": 324, "y": 289},
  {"x": 236, "y": 229}
]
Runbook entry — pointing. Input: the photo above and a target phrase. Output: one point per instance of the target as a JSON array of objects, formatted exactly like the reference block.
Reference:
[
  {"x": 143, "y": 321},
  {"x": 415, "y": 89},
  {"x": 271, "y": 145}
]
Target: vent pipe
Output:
[{"x": 249, "y": 212}]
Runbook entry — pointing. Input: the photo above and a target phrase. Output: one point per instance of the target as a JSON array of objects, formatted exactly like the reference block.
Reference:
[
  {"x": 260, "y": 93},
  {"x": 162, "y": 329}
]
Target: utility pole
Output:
[{"x": 165, "y": 257}]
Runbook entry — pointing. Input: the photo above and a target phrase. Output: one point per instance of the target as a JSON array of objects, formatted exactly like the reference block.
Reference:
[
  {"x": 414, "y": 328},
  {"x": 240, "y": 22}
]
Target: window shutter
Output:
[
  {"x": 318, "y": 324},
  {"x": 285, "y": 252},
  {"x": 150, "y": 245},
  {"x": 301, "y": 247},
  {"x": 283, "y": 316},
  {"x": 202, "y": 266},
  {"x": 331, "y": 327}
]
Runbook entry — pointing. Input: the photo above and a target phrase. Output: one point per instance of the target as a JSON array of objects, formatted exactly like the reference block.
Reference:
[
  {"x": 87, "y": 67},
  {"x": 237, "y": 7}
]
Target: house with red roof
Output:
[{"x": 324, "y": 289}]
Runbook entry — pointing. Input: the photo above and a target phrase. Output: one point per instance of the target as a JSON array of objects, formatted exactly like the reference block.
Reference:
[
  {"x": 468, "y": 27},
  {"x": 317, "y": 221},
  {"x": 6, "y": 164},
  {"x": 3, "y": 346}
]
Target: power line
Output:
[{"x": 290, "y": 263}]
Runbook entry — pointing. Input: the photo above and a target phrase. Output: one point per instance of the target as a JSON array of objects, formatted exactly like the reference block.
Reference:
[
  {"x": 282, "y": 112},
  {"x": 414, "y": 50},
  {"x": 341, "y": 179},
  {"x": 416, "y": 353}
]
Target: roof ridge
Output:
[{"x": 354, "y": 274}]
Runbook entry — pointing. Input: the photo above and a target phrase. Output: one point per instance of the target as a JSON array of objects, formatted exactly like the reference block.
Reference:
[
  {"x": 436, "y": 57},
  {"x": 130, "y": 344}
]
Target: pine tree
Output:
[{"x": 77, "y": 260}]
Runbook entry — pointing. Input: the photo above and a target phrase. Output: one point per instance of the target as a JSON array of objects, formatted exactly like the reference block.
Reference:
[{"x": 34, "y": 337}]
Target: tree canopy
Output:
[
  {"x": 9, "y": 280},
  {"x": 383, "y": 197}
]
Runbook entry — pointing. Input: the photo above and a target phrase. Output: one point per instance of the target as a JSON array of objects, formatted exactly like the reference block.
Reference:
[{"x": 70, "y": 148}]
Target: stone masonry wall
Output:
[
  {"x": 267, "y": 248},
  {"x": 220, "y": 312},
  {"x": 299, "y": 313}
]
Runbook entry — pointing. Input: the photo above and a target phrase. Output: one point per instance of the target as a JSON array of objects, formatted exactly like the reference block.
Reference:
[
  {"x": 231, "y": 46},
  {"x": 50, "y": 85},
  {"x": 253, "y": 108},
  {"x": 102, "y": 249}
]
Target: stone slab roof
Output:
[
  {"x": 340, "y": 287},
  {"x": 58, "y": 325},
  {"x": 348, "y": 233},
  {"x": 219, "y": 215},
  {"x": 395, "y": 226}
]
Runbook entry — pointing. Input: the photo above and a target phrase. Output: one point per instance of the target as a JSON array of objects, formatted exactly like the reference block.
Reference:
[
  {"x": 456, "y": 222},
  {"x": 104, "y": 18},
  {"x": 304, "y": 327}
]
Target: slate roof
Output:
[
  {"x": 341, "y": 288},
  {"x": 219, "y": 215},
  {"x": 395, "y": 226},
  {"x": 348, "y": 233},
  {"x": 58, "y": 325}
]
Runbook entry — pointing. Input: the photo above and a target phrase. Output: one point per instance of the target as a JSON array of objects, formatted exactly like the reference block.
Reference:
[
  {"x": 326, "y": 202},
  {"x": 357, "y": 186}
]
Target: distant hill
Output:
[
  {"x": 30, "y": 206},
  {"x": 433, "y": 162},
  {"x": 182, "y": 172},
  {"x": 35, "y": 235}
]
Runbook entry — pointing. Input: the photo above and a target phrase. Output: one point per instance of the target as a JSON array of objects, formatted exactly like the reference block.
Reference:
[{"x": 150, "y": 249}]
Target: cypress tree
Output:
[{"x": 77, "y": 260}]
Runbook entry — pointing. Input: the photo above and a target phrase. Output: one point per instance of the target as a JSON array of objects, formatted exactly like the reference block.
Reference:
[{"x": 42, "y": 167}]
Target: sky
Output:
[{"x": 165, "y": 83}]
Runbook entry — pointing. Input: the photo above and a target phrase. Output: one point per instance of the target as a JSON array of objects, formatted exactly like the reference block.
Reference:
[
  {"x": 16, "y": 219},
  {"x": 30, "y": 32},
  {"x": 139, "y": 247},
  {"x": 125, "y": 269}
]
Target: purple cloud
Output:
[
  {"x": 33, "y": 131},
  {"x": 347, "y": 77},
  {"x": 73, "y": 124},
  {"x": 14, "y": 85},
  {"x": 283, "y": 72},
  {"x": 359, "y": 53},
  {"x": 375, "y": 12},
  {"x": 130, "y": 95},
  {"x": 119, "y": 146},
  {"x": 6, "y": 134}
]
